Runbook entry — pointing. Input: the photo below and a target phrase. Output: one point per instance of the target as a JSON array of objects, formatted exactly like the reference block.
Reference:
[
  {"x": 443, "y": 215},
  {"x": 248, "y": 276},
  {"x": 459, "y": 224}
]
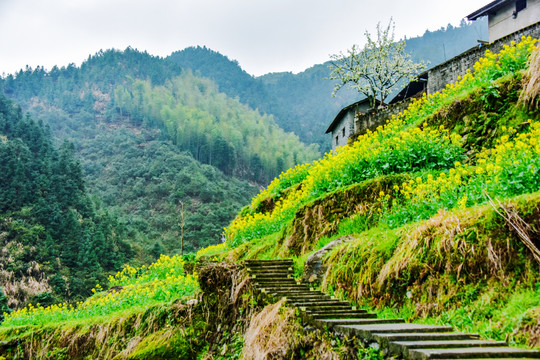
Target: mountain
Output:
[
  {"x": 150, "y": 137},
  {"x": 431, "y": 219},
  {"x": 57, "y": 243},
  {"x": 191, "y": 131},
  {"x": 302, "y": 103}
]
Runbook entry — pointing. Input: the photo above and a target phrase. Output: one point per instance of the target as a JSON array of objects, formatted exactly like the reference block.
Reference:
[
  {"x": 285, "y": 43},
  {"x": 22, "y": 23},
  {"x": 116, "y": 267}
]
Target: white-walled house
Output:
[
  {"x": 508, "y": 16},
  {"x": 343, "y": 125}
]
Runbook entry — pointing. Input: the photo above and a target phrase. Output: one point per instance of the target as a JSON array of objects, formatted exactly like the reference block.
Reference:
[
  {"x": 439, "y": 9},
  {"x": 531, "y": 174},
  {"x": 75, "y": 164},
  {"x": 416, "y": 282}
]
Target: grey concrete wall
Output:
[
  {"x": 343, "y": 130},
  {"x": 503, "y": 22},
  {"x": 448, "y": 72}
]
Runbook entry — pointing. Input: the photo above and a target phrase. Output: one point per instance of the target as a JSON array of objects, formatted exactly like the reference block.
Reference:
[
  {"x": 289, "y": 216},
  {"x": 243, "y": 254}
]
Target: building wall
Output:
[
  {"x": 503, "y": 22},
  {"x": 448, "y": 72},
  {"x": 343, "y": 130}
]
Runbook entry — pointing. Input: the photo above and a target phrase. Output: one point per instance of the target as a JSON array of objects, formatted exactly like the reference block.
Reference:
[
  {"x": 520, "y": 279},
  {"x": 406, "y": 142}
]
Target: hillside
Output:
[
  {"x": 436, "y": 211},
  {"x": 437, "y": 218},
  {"x": 150, "y": 137},
  {"x": 202, "y": 104},
  {"x": 57, "y": 243}
]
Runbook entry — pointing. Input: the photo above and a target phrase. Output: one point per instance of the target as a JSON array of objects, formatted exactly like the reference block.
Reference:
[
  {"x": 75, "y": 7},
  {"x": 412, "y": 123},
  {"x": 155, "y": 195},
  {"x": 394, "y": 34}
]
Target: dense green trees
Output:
[
  {"x": 143, "y": 178},
  {"x": 48, "y": 223},
  {"x": 130, "y": 166},
  {"x": 214, "y": 128}
]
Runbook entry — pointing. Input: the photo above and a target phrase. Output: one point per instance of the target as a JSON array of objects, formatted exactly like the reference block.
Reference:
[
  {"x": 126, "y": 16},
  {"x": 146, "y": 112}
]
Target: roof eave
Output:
[{"x": 486, "y": 10}]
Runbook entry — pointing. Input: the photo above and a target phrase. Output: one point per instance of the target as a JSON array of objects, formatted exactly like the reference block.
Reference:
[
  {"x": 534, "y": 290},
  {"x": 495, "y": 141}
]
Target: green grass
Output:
[{"x": 162, "y": 282}]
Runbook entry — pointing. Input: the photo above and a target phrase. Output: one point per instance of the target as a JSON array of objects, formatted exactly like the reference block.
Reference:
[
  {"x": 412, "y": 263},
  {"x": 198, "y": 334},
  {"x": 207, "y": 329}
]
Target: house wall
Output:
[
  {"x": 503, "y": 22},
  {"x": 343, "y": 130},
  {"x": 448, "y": 72}
]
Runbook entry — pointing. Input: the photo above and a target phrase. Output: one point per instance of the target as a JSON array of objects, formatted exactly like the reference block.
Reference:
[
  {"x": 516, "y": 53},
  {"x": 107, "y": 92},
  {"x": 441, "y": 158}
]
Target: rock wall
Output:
[
  {"x": 448, "y": 72},
  {"x": 375, "y": 118}
]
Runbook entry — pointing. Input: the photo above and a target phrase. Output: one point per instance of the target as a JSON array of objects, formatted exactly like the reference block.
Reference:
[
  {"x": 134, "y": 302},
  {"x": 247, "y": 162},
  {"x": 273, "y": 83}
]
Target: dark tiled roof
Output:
[
  {"x": 342, "y": 113},
  {"x": 488, "y": 9}
]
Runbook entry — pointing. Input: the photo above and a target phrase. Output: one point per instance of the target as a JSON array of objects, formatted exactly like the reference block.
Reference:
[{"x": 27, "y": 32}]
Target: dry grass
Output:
[
  {"x": 271, "y": 334},
  {"x": 531, "y": 327},
  {"x": 19, "y": 291},
  {"x": 515, "y": 222},
  {"x": 530, "y": 97}
]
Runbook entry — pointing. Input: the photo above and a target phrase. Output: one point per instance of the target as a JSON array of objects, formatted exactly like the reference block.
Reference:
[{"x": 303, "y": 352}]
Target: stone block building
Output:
[{"x": 505, "y": 17}]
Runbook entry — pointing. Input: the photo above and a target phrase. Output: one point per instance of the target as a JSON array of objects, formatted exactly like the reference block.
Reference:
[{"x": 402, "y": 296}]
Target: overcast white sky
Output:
[{"x": 263, "y": 35}]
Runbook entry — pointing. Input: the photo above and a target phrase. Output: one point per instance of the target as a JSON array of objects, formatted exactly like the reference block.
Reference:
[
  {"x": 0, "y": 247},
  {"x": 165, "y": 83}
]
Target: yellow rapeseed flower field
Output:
[{"x": 406, "y": 144}]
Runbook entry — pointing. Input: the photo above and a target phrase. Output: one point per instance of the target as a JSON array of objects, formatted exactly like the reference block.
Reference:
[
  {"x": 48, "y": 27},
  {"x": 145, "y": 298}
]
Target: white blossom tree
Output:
[{"x": 377, "y": 68}]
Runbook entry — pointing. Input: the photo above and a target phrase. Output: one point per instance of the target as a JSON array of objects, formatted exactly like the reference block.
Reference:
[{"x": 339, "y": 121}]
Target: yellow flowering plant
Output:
[
  {"x": 160, "y": 282},
  {"x": 405, "y": 145},
  {"x": 511, "y": 168}
]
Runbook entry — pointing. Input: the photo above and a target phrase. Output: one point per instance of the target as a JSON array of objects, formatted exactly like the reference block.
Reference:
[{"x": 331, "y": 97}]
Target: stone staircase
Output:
[{"x": 398, "y": 338}]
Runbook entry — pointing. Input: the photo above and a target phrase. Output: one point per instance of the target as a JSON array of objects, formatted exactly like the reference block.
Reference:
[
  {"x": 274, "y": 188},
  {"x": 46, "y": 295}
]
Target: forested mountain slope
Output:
[
  {"x": 128, "y": 113},
  {"x": 301, "y": 103},
  {"x": 56, "y": 243},
  {"x": 131, "y": 116}
]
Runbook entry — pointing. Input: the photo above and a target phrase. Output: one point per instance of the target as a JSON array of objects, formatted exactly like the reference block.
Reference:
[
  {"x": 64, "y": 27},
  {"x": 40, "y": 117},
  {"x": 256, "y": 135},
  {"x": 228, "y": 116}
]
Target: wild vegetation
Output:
[
  {"x": 56, "y": 242},
  {"x": 439, "y": 209},
  {"x": 441, "y": 203},
  {"x": 151, "y": 312},
  {"x": 131, "y": 289},
  {"x": 141, "y": 164}
]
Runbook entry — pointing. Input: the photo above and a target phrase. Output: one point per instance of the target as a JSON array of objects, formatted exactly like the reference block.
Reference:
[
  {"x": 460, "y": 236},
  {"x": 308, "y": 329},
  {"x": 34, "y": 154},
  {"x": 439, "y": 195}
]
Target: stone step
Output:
[
  {"x": 284, "y": 293},
  {"x": 403, "y": 348},
  {"x": 272, "y": 285},
  {"x": 268, "y": 260},
  {"x": 273, "y": 279},
  {"x": 265, "y": 275},
  {"x": 307, "y": 297},
  {"x": 426, "y": 336},
  {"x": 277, "y": 272},
  {"x": 320, "y": 303},
  {"x": 448, "y": 344},
  {"x": 297, "y": 289},
  {"x": 334, "y": 322},
  {"x": 259, "y": 267},
  {"x": 267, "y": 263},
  {"x": 367, "y": 331},
  {"x": 473, "y": 353},
  {"x": 325, "y": 309},
  {"x": 342, "y": 315},
  {"x": 293, "y": 289}
]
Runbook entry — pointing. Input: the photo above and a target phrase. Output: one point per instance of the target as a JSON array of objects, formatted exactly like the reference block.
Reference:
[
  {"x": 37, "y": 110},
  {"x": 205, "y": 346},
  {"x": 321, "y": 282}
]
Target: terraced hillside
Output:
[{"x": 436, "y": 213}]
